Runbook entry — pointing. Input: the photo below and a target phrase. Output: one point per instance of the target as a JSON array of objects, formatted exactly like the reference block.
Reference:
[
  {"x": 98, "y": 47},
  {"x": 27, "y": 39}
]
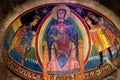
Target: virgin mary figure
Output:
[{"x": 62, "y": 39}]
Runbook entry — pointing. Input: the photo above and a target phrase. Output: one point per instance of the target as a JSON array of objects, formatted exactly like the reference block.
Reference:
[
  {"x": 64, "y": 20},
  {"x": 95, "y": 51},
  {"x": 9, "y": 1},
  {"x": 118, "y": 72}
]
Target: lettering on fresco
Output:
[{"x": 99, "y": 72}]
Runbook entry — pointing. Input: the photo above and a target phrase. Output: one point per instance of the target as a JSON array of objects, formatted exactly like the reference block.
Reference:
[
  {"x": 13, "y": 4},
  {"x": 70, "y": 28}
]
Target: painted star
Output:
[
  {"x": 45, "y": 10},
  {"x": 79, "y": 10}
]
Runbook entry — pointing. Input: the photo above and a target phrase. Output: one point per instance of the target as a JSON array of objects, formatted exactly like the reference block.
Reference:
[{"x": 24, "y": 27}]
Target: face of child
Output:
[{"x": 61, "y": 29}]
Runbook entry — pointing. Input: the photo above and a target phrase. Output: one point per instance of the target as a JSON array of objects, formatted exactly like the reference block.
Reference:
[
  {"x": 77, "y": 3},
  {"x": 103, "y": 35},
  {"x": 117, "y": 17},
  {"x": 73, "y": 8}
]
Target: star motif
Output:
[
  {"x": 45, "y": 10},
  {"x": 79, "y": 10}
]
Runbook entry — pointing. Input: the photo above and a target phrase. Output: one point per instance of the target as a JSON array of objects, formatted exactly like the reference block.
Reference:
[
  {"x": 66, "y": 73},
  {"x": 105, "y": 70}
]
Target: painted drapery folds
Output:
[
  {"x": 61, "y": 39},
  {"x": 62, "y": 42}
]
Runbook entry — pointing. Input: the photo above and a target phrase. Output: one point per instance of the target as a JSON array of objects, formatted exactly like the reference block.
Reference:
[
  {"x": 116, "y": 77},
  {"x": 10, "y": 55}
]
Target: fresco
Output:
[{"x": 62, "y": 42}]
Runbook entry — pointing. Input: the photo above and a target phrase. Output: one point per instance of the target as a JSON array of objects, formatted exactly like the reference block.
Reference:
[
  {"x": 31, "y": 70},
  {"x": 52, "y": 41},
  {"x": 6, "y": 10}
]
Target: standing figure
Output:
[
  {"x": 110, "y": 36},
  {"x": 23, "y": 38},
  {"x": 105, "y": 23},
  {"x": 99, "y": 39},
  {"x": 62, "y": 42}
]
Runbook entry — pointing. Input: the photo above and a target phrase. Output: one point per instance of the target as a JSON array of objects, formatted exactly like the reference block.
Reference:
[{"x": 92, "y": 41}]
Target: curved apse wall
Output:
[{"x": 62, "y": 41}]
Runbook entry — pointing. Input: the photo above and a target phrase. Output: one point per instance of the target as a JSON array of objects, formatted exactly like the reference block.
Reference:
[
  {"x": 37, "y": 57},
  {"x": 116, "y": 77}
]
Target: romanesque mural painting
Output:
[{"x": 62, "y": 42}]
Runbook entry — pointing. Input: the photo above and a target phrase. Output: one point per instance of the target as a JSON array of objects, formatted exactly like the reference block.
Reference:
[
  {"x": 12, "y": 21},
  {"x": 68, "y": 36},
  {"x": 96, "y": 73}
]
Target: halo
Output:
[{"x": 54, "y": 11}]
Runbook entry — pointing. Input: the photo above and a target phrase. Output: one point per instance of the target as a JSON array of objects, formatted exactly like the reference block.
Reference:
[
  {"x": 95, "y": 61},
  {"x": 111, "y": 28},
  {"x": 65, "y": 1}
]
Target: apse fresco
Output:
[{"x": 62, "y": 42}]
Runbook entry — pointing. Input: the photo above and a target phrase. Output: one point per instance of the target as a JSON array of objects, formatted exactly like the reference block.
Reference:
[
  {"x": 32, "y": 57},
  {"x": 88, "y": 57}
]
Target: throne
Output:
[{"x": 79, "y": 76}]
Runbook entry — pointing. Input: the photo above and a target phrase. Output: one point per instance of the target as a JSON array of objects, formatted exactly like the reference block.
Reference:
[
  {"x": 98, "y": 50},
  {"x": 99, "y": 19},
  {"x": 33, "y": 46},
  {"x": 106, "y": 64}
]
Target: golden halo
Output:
[{"x": 54, "y": 11}]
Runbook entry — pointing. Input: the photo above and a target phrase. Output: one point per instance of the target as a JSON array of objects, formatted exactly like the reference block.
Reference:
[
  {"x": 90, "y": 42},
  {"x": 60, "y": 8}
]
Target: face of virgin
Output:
[{"x": 61, "y": 14}]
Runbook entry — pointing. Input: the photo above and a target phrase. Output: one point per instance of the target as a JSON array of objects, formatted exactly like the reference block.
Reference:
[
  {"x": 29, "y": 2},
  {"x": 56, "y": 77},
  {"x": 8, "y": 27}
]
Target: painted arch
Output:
[{"x": 29, "y": 50}]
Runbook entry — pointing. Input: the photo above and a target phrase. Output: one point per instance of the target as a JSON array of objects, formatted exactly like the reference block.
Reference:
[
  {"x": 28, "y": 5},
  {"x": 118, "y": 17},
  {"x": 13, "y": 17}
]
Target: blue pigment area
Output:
[{"x": 33, "y": 65}]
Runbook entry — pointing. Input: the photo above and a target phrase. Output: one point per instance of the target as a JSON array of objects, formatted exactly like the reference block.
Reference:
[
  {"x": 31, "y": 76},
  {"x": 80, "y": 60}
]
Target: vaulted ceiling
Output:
[{"x": 8, "y": 5}]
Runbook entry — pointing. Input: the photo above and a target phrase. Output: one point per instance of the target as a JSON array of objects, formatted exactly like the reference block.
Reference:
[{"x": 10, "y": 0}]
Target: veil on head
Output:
[{"x": 54, "y": 11}]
